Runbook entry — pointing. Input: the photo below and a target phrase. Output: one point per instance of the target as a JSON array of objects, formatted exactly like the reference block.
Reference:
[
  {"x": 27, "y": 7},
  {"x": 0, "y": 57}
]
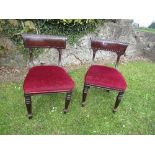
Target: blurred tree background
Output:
[{"x": 152, "y": 25}]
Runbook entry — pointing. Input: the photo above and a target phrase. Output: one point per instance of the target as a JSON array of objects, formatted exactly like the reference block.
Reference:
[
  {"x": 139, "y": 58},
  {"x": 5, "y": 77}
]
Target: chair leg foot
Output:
[
  {"x": 114, "y": 110},
  {"x": 67, "y": 101},
  {"x": 84, "y": 95},
  {"x": 30, "y": 116},
  {"x": 28, "y": 105},
  {"x": 83, "y": 104},
  {"x": 118, "y": 100}
]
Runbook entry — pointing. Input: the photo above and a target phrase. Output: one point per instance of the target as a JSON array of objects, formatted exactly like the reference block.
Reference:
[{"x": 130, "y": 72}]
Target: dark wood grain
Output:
[
  {"x": 44, "y": 41},
  {"x": 113, "y": 46},
  {"x": 28, "y": 105},
  {"x": 67, "y": 101}
]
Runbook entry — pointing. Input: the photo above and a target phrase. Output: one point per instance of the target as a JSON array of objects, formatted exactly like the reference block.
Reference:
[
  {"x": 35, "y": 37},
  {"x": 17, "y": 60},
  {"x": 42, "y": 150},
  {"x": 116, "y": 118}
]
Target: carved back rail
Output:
[
  {"x": 44, "y": 41},
  {"x": 118, "y": 47}
]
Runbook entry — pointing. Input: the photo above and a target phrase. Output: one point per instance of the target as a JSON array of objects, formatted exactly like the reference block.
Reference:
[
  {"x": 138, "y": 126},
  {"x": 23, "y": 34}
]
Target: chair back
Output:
[
  {"x": 118, "y": 47},
  {"x": 44, "y": 41}
]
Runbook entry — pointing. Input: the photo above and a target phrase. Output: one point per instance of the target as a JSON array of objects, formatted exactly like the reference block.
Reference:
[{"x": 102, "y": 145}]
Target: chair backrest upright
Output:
[
  {"x": 44, "y": 41},
  {"x": 118, "y": 47}
]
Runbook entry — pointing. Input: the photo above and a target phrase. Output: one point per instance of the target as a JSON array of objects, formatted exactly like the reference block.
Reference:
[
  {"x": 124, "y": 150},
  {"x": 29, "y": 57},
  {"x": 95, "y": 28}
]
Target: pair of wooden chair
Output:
[{"x": 54, "y": 79}]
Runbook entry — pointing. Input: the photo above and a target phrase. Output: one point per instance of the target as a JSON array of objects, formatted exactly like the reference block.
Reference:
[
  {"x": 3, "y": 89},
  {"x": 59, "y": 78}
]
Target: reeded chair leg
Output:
[
  {"x": 118, "y": 100},
  {"x": 28, "y": 105},
  {"x": 85, "y": 92},
  {"x": 67, "y": 101}
]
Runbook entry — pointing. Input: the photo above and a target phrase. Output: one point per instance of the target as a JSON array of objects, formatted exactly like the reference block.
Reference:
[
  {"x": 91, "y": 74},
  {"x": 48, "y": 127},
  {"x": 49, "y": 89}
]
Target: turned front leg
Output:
[
  {"x": 67, "y": 101},
  {"x": 28, "y": 105},
  {"x": 118, "y": 100},
  {"x": 85, "y": 92}
]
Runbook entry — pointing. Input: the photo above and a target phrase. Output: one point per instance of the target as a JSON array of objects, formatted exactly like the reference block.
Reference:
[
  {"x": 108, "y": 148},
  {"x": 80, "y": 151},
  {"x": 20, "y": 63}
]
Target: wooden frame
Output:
[
  {"x": 119, "y": 48},
  {"x": 44, "y": 41},
  {"x": 28, "y": 102}
]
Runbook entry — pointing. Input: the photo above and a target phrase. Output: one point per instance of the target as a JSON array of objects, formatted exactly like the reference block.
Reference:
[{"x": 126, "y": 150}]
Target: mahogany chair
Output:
[
  {"x": 106, "y": 77},
  {"x": 46, "y": 79}
]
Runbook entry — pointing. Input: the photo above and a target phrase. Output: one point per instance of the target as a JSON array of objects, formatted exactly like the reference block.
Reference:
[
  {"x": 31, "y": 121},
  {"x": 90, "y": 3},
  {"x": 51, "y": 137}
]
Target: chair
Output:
[
  {"x": 106, "y": 77},
  {"x": 46, "y": 79}
]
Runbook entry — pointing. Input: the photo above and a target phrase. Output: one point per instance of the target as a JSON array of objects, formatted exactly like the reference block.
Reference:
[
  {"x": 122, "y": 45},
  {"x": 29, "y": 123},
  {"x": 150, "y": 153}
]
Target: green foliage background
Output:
[{"x": 72, "y": 28}]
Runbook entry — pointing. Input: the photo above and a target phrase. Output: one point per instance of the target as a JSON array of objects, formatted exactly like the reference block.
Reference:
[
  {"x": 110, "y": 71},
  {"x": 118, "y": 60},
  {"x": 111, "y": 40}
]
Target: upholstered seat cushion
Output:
[
  {"x": 104, "y": 76},
  {"x": 44, "y": 79}
]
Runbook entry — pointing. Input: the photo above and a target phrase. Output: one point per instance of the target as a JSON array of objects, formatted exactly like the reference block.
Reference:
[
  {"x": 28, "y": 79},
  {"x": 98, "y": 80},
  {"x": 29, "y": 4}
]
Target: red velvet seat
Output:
[
  {"x": 47, "y": 79},
  {"x": 104, "y": 76}
]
